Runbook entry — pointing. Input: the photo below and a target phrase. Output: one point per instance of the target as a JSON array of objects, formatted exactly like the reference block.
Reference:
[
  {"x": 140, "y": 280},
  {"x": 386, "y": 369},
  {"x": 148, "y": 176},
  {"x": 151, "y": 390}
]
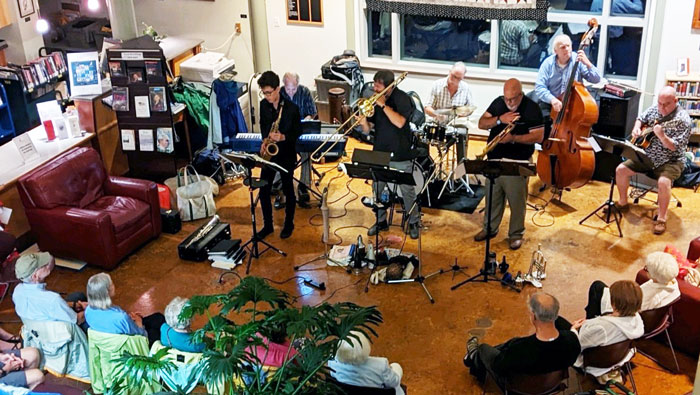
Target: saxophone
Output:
[{"x": 269, "y": 148}]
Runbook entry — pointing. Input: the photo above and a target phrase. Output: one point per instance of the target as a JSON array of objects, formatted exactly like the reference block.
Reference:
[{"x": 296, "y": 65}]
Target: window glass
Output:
[
  {"x": 379, "y": 33},
  {"x": 622, "y": 7},
  {"x": 443, "y": 39},
  {"x": 624, "y": 45},
  {"x": 523, "y": 46},
  {"x": 586, "y": 6}
]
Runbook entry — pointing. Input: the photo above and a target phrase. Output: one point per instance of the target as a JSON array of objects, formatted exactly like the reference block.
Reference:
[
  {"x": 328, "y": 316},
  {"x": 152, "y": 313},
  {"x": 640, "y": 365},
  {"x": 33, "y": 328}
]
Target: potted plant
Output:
[{"x": 242, "y": 319}]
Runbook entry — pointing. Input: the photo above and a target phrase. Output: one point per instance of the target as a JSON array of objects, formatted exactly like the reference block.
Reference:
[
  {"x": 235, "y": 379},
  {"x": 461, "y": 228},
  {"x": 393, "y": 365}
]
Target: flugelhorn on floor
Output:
[
  {"x": 537, "y": 271},
  {"x": 365, "y": 107}
]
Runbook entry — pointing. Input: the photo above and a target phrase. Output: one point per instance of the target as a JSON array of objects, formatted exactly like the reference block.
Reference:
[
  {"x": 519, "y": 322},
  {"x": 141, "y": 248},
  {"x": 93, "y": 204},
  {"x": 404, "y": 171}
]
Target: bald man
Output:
[
  {"x": 448, "y": 92},
  {"x": 666, "y": 150},
  {"x": 554, "y": 73},
  {"x": 513, "y": 106}
]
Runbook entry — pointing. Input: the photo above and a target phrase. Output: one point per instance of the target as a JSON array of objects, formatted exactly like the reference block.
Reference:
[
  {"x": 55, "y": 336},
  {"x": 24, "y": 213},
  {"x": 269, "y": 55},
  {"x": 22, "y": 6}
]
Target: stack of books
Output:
[{"x": 227, "y": 254}]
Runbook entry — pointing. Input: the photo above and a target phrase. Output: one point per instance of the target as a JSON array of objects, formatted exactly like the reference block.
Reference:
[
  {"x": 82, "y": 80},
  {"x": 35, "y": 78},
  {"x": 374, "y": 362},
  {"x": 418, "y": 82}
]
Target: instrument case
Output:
[{"x": 199, "y": 250}]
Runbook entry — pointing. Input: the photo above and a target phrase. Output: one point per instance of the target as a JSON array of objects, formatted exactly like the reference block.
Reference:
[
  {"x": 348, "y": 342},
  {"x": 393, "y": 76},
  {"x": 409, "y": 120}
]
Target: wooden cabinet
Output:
[{"x": 98, "y": 118}]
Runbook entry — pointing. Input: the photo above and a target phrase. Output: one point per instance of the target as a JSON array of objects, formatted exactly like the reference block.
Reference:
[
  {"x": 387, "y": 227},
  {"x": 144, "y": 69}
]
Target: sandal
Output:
[{"x": 659, "y": 227}]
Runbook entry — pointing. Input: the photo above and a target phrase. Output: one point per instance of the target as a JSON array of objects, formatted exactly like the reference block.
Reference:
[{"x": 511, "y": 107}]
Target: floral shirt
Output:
[{"x": 677, "y": 129}]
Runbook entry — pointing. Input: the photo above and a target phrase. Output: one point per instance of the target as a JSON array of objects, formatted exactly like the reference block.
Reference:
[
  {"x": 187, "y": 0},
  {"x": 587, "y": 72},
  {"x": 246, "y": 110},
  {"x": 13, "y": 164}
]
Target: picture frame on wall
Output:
[
  {"x": 683, "y": 67},
  {"x": 26, "y": 7}
]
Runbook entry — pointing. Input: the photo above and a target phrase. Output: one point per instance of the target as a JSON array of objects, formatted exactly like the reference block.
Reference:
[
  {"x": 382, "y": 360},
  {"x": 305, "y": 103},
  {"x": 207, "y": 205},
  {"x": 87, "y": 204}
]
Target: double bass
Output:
[{"x": 567, "y": 159}]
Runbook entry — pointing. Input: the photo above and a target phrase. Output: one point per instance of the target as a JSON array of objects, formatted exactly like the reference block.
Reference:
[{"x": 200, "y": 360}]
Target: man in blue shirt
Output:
[
  {"x": 301, "y": 96},
  {"x": 31, "y": 298},
  {"x": 553, "y": 76}
]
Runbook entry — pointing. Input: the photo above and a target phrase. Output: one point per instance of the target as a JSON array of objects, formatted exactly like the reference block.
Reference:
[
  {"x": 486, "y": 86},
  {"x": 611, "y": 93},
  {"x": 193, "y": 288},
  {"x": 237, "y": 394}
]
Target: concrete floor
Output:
[{"x": 428, "y": 340}]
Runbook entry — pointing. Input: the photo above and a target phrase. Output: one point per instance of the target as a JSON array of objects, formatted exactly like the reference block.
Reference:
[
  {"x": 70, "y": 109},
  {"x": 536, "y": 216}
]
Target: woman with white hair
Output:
[
  {"x": 659, "y": 291},
  {"x": 175, "y": 332},
  {"x": 353, "y": 365},
  {"x": 103, "y": 316}
]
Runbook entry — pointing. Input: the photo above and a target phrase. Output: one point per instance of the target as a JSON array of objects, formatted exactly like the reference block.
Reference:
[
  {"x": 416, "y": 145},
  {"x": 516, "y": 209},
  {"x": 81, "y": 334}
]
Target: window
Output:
[
  {"x": 448, "y": 40},
  {"x": 502, "y": 48}
]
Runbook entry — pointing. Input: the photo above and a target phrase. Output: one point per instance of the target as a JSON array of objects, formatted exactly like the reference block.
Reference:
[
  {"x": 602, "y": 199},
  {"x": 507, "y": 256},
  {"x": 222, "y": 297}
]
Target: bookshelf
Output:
[{"x": 688, "y": 94}]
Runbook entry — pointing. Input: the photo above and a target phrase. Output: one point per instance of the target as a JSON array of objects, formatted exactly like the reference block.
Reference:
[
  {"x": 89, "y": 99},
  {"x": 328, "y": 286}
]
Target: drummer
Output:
[{"x": 448, "y": 93}]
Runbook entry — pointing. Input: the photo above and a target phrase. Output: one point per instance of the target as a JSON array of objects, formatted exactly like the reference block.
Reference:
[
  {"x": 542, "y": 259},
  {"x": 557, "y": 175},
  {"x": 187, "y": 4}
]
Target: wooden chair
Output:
[
  {"x": 610, "y": 356},
  {"x": 655, "y": 322},
  {"x": 535, "y": 384}
]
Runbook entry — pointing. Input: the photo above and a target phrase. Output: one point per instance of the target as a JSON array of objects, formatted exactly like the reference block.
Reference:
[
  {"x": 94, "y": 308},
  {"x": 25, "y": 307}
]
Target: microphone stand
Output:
[{"x": 324, "y": 212}]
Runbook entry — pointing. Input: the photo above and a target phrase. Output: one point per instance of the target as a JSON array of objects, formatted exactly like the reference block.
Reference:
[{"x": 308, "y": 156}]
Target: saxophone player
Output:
[
  {"x": 519, "y": 145},
  {"x": 274, "y": 107}
]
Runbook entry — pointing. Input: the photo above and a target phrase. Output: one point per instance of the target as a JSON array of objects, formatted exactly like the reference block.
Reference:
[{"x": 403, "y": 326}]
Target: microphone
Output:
[{"x": 324, "y": 213}]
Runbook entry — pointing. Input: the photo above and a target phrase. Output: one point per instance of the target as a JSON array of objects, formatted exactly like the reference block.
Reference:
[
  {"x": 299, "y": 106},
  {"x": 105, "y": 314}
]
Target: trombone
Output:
[{"x": 365, "y": 108}]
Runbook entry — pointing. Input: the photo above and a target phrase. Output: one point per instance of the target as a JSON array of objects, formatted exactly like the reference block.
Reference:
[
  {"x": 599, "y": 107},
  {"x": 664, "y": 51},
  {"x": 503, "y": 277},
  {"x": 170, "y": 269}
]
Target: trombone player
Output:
[
  {"x": 393, "y": 134},
  {"x": 512, "y": 107}
]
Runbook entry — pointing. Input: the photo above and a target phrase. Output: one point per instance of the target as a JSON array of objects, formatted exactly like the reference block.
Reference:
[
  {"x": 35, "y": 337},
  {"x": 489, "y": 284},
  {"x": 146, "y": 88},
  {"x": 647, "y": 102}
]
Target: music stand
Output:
[
  {"x": 618, "y": 148},
  {"x": 250, "y": 161},
  {"x": 493, "y": 169}
]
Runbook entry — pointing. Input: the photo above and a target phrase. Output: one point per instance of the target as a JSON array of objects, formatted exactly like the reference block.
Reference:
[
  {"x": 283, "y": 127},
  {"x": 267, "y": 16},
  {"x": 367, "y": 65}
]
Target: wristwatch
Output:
[
  {"x": 498, "y": 120},
  {"x": 381, "y": 106}
]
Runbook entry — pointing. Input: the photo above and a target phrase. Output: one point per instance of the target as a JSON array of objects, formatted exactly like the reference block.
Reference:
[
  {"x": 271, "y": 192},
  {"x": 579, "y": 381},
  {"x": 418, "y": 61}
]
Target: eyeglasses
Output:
[
  {"x": 268, "y": 93},
  {"x": 512, "y": 99}
]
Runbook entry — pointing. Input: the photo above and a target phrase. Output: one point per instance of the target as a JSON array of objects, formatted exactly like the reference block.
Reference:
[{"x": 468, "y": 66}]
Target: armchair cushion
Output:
[
  {"x": 74, "y": 179},
  {"x": 125, "y": 212}
]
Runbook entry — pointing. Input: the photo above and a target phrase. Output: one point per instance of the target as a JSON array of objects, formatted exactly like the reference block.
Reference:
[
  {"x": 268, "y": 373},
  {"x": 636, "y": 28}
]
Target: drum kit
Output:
[{"x": 447, "y": 134}]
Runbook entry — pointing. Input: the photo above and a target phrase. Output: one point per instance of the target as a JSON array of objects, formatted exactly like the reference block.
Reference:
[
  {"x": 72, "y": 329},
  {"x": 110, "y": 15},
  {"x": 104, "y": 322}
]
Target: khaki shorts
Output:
[{"x": 671, "y": 170}]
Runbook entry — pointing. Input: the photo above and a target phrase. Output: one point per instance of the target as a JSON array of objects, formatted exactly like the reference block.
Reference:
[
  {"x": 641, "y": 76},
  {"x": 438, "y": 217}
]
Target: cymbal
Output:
[{"x": 462, "y": 111}]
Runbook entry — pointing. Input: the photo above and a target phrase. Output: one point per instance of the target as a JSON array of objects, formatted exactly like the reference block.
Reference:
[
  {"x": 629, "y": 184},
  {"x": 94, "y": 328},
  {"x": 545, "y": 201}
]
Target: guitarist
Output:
[
  {"x": 666, "y": 149},
  {"x": 513, "y": 106}
]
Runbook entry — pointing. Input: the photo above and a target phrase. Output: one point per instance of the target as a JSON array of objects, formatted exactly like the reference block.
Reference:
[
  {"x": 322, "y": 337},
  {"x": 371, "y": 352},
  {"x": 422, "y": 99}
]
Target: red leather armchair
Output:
[
  {"x": 77, "y": 210},
  {"x": 685, "y": 330}
]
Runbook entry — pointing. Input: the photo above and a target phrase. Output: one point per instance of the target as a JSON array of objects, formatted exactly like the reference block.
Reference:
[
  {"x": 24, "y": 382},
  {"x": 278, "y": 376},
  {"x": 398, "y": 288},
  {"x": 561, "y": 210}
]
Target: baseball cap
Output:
[{"x": 27, "y": 264}]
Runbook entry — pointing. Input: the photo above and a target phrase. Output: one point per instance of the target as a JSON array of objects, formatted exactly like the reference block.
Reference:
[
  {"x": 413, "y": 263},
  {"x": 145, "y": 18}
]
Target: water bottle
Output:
[{"x": 385, "y": 196}]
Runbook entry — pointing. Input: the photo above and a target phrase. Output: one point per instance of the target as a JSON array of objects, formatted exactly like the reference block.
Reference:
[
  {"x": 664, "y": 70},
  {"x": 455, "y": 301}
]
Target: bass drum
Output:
[{"x": 422, "y": 169}]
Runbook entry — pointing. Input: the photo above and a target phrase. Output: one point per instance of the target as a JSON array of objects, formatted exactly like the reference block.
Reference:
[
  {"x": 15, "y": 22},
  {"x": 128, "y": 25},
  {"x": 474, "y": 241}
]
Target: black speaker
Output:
[{"x": 616, "y": 115}]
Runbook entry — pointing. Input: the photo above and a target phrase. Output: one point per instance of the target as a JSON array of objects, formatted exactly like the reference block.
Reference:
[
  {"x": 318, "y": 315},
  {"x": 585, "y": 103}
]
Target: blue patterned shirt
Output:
[
  {"x": 302, "y": 98},
  {"x": 552, "y": 79}
]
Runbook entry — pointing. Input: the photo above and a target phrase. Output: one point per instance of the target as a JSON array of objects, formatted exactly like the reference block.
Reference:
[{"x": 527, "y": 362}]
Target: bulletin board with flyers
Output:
[{"x": 140, "y": 100}]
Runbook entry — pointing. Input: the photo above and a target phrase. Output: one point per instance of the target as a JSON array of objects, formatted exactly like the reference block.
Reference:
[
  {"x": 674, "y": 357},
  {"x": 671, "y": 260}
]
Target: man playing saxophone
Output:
[
  {"x": 526, "y": 116},
  {"x": 276, "y": 110},
  {"x": 393, "y": 134}
]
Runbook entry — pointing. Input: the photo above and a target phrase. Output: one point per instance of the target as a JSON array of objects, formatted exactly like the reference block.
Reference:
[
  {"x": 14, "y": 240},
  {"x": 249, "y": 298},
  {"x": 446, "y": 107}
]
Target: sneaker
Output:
[
  {"x": 414, "y": 231},
  {"x": 265, "y": 231},
  {"x": 615, "y": 374},
  {"x": 376, "y": 228},
  {"x": 472, "y": 345},
  {"x": 286, "y": 231},
  {"x": 481, "y": 236}
]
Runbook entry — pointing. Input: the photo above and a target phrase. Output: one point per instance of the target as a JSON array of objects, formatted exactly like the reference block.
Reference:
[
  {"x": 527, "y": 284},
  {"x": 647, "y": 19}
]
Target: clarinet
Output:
[{"x": 203, "y": 232}]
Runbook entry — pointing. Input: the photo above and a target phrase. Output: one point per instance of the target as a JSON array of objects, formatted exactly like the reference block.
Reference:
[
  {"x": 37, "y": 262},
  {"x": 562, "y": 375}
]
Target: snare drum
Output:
[{"x": 434, "y": 132}]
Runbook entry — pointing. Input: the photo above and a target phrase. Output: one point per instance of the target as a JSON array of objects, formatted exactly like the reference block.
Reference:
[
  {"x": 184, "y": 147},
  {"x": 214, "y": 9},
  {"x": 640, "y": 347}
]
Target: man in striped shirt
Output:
[{"x": 448, "y": 92}]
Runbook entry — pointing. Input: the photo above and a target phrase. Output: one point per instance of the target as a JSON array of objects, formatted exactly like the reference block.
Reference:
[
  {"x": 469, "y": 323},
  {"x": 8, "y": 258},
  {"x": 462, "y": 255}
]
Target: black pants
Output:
[
  {"x": 268, "y": 175},
  {"x": 481, "y": 363},
  {"x": 595, "y": 294}
]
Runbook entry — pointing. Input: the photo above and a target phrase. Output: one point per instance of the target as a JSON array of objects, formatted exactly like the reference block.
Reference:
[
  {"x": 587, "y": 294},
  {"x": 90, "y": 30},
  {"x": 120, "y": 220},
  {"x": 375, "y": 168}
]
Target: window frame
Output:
[{"x": 492, "y": 71}]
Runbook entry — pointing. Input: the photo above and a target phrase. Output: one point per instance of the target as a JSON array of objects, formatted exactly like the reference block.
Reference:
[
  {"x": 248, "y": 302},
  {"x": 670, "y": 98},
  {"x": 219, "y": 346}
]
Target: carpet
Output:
[{"x": 458, "y": 201}]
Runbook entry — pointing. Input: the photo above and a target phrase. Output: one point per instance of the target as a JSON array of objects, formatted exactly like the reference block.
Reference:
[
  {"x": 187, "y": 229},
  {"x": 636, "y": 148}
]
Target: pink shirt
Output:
[{"x": 275, "y": 353}]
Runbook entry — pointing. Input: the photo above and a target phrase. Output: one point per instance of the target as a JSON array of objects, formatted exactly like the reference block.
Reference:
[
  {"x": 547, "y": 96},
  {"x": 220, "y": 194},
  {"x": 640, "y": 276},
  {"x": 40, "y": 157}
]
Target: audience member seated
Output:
[
  {"x": 353, "y": 365},
  {"x": 657, "y": 292},
  {"x": 20, "y": 368},
  {"x": 175, "y": 332},
  {"x": 276, "y": 348},
  {"x": 624, "y": 323},
  {"x": 49, "y": 324},
  {"x": 102, "y": 316},
  {"x": 548, "y": 350}
]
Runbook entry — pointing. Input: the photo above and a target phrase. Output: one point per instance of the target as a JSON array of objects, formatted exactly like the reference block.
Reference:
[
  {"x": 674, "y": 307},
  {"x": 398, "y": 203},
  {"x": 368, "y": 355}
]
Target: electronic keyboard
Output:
[{"x": 306, "y": 143}]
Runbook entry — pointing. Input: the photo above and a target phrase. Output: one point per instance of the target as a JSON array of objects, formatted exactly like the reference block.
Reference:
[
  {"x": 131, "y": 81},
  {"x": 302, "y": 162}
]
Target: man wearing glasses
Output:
[
  {"x": 451, "y": 91},
  {"x": 515, "y": 107},
  {"x": 285, "y": 138}
]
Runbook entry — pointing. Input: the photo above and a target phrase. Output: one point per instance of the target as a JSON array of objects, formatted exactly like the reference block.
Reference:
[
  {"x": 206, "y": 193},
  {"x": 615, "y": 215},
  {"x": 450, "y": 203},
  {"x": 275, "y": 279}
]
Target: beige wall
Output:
[{"x": 212, "y": 21}]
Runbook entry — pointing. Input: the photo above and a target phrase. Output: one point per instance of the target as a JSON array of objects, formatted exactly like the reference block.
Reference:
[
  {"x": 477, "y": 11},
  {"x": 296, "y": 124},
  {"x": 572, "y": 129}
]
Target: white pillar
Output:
[{"x": 122, "y": 18}]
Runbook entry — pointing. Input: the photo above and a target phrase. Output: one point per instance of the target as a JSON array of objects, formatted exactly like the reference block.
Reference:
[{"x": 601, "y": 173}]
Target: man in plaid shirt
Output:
[
  {"x": 670, "y": 125},
  {"x": 448, "y": 92}
]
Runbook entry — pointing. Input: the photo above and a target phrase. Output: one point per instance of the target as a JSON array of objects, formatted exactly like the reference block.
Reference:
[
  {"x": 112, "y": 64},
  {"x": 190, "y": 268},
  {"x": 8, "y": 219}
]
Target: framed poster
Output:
[
  {"x": 308, "y": 12},
  {"x": 26, "y": 7},
  {"x": 84, "y": 74}
]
